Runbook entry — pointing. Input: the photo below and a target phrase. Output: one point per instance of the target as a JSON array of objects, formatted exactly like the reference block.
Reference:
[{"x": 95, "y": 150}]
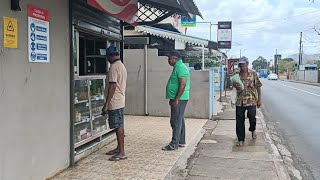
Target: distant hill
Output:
[{"x": 305, "y": 57}]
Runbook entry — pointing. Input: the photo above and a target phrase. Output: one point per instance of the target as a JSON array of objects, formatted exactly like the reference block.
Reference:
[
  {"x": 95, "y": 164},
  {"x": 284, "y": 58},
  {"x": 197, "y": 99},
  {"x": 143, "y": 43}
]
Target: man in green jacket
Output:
[{"x": 177, "y": 92}]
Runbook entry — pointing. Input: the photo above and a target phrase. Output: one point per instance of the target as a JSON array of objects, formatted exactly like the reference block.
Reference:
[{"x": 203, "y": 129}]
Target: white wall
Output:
[
  {"x": 158, "y": 74},
  {"x": 34, "y": 98}
]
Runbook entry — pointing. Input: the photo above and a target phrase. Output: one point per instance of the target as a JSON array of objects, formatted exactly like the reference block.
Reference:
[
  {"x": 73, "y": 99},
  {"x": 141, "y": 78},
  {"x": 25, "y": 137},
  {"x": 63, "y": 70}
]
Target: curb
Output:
[
  {"x": 281, "y": 169},
  {"x": 301, "y": 82},
  {"x": 182, "y": 162}
]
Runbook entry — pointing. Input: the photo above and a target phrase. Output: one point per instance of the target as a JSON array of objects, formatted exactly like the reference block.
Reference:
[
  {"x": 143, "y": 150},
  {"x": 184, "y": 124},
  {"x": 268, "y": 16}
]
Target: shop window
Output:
[{"x": 92, "y": 57}]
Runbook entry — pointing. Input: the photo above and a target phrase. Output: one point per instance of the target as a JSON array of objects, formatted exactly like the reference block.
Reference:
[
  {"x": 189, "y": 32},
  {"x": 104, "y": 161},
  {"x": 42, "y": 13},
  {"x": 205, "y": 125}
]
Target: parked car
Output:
[{"x": 272, "y": 77}]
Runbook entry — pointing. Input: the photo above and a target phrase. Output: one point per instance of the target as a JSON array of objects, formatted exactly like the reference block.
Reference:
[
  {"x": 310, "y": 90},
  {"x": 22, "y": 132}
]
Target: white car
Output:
[{"x": 272, "y": 77}]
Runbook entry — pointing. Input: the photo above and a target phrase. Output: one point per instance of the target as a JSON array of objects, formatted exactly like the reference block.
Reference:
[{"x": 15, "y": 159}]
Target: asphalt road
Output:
[{"x": 293, "y": 109}]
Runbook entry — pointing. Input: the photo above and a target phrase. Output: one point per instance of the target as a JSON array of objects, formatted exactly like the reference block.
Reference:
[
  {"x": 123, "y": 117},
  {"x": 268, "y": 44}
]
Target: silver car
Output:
[{"x": 272, "y": 77}]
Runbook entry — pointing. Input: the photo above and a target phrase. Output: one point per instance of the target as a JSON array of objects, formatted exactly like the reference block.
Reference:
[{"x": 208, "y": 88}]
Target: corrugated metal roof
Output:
[{"x": 175, "y": 36}]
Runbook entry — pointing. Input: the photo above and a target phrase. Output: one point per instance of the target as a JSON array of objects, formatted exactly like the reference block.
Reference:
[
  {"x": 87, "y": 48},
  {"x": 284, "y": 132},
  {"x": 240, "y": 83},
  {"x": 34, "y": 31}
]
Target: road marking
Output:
[{"x": 299, "y": 90}]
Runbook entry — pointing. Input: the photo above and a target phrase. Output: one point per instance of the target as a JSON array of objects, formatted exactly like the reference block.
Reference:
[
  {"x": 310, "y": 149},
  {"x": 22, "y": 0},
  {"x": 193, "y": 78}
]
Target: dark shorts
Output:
[{"x": 116, "y": 118}]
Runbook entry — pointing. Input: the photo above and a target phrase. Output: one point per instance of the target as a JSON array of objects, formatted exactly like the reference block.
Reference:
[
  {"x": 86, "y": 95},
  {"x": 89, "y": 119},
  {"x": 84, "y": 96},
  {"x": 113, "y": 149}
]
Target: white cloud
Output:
[{"x": 262, "y": 26}]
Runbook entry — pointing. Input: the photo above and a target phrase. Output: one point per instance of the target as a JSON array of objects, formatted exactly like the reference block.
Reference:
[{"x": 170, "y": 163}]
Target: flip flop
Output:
[
  {"x": 112, "y": 152},
  {"x": 118, "y": 158}
]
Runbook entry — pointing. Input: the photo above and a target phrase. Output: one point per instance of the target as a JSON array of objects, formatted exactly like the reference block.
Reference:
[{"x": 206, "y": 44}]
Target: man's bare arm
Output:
[
  {"x": 111, "y": 90},
  {"x": 182, "y": 86},
  {"x": 259, "y": 96}
]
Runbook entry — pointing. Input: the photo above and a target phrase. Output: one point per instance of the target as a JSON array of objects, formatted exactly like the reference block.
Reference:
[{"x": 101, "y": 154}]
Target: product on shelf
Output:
[{"x": 78, "y": 116}]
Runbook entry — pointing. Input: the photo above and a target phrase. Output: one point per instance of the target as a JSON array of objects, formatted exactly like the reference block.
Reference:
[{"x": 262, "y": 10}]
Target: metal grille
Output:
[{"x": 150, "y": 15}]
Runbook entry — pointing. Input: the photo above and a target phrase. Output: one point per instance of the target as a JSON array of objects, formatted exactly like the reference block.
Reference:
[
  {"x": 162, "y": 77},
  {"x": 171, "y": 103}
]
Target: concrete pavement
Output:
[
  {"x": 217, "y": 157},
  {"x": 145, "y": 136}
]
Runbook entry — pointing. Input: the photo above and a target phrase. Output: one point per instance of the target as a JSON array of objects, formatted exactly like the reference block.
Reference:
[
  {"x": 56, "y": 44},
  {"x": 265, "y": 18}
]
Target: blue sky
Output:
[{"x": 262, "y": 26}]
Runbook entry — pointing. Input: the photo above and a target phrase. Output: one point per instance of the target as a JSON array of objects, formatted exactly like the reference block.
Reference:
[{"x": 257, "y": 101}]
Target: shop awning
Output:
[
  {"x": 176, "y": 36},
  {"x": 179, "y": 37},
  {"x": 145, "y": 12}
]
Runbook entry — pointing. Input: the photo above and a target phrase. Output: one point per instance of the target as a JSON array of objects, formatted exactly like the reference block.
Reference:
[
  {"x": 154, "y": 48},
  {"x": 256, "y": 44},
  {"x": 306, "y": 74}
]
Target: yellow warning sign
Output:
[
  {"x": 10, "y": 35},
  {"x": 216, "y": 80}
]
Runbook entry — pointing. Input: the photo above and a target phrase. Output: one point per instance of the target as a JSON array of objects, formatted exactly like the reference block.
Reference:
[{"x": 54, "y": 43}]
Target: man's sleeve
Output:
[
  {"x": 183, "y": 72},
  {"x": 113, "y": 75},
  {"x": 257, "y": 81}
]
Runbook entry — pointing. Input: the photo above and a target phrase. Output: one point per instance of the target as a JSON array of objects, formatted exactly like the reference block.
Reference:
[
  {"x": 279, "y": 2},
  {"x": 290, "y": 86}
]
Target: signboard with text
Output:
[
  {"x": 38, "y": 35},
  {"x": 224, "y": 35}
]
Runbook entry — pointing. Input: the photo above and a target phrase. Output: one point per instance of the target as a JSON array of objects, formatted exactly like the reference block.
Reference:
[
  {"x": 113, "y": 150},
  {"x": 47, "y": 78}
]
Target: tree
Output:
[
  {"x": 260, "y": 63},
  {"x": 318, "y": 65},
  {"x": 196, "y": 57},
  {"x": 286, "y": 64}
]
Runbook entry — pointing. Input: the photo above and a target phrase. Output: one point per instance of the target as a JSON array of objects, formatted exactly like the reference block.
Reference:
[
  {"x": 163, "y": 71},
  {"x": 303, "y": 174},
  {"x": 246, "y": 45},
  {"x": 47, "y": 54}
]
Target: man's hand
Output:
[
  {"x": 105, "y": 108},
  {"x": 237, "y": 86},
  {"x": 259, "y": 103},
  {"x": 175, "y": 102}
]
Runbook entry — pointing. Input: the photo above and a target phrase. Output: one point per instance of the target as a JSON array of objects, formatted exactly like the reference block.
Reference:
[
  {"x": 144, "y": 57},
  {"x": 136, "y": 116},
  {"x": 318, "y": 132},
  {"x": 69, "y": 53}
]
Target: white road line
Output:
[{"x": 299, "y": 90}]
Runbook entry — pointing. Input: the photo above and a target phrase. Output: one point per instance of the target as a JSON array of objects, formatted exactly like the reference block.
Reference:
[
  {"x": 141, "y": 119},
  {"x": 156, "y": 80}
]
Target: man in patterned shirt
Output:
[{"x": 248, "y": 99}]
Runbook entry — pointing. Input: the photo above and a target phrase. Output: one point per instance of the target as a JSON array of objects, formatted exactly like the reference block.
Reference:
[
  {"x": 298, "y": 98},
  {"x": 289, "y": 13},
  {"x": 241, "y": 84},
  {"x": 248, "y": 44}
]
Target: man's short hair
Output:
[{"x": 174, "y": 53}]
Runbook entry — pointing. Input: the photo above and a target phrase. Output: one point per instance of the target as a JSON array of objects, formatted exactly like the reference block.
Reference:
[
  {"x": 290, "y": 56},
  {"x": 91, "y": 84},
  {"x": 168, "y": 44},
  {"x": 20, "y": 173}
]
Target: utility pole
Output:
[
  {"x": 211, "y": 24},
  {"x": 300, "y": 49},
  {"x": 276, "y": 62}
]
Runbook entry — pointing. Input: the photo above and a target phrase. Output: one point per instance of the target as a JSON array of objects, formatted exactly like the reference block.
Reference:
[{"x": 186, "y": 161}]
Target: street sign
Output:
[
  {"x": 38, "y": 35},
  {"x": 232, "y": 63},
  {"x": 224, "y": 35},
  {"x": 10, "y": 32},
  {"x": 186, "y": 22},
  {"x": 277, "y": 58}
]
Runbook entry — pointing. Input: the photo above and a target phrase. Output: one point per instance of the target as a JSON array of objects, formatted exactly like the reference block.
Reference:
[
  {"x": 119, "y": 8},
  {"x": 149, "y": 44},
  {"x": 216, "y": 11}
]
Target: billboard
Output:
[
  {"x": 187, "y": 22},
  {"x": 224, "y": 34}
]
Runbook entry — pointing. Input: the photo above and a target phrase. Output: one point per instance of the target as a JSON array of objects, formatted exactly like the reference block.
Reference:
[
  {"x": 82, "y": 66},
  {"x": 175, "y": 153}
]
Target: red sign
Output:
[
  {"x": 38, "y": 13},
  {"x": 125, "y": 10},
  {"x": 231, "y": 64}
]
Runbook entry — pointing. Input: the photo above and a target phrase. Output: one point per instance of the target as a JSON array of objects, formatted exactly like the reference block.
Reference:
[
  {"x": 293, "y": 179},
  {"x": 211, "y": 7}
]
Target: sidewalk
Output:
[
  {"x": 145, "y": 136},
  {"x": 217, "y": 157}
]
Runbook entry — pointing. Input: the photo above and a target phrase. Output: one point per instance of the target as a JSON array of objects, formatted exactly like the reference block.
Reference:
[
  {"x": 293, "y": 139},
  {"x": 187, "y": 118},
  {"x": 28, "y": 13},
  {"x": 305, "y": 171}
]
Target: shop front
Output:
[
  {"x": 52, "y": 81},
  {"x": 93, "y": 32}
]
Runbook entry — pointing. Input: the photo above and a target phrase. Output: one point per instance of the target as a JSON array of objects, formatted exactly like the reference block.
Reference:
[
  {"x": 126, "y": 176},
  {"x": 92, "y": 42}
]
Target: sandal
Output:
[
  {"x": 254, "y": 135},
  {"x": 118, "y": 157},
  {"x": 112, "y": 152},
  {"x": 168, "y": 148},
  {"x": 240, "y": 143}
]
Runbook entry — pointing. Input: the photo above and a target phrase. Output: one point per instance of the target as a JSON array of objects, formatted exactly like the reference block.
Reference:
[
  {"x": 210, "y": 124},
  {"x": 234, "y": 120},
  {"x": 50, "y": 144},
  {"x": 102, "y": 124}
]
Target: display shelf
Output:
[
  {"x": 81, "y": 102},
  {"x": 80, "y": 143},
  {"x": 97, "y": 116},
  {"x": 81, "y": 122},
  {"x": 89, "y": 122},
  {"x": 96, "y": 56}
]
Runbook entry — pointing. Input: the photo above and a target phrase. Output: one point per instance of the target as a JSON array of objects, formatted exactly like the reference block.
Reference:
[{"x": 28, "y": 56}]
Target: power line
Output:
[{"x": 273, "y": 20}]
